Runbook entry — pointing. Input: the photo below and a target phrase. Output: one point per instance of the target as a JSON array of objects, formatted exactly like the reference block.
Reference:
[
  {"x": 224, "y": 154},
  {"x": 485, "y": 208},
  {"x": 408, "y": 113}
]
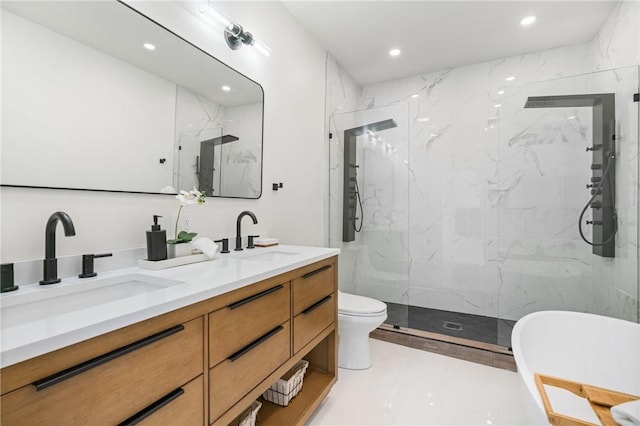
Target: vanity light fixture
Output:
[{"x": 234, "y": 34}]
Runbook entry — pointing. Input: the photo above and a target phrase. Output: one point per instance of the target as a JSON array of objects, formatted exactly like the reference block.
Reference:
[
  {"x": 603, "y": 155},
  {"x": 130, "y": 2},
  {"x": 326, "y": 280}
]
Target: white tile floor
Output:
[{"x": 407, "y": 386}]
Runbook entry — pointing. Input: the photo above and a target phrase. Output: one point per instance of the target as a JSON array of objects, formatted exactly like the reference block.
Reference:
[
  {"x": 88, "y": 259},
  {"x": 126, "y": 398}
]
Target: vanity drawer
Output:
[
  {"x": 181, "y": 407},
  {"x": 312, "y": 286},
  {"x": 236, "y": 376},
  {"x": 310, "y": 322},
  {"x": 112, "y": 387},
  {"x": 240, "y": 323}
]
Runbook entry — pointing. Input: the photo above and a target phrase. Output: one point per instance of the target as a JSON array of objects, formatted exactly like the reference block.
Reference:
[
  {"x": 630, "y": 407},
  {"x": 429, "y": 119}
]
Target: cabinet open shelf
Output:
[{"x": 315, "y": 387}]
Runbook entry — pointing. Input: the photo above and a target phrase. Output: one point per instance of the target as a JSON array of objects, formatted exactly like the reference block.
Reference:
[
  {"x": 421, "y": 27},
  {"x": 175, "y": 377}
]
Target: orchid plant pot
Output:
[{"x": 179, "y": 250}]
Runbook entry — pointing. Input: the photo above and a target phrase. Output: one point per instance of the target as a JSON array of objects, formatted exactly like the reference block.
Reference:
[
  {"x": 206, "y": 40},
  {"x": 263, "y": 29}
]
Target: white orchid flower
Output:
[{"x": 187, "y": 198}]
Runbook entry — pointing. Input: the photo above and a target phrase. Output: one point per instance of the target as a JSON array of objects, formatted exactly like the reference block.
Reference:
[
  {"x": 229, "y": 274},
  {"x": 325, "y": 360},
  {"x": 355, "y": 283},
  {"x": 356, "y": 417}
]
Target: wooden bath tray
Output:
[{"x": 600, "y": 399}]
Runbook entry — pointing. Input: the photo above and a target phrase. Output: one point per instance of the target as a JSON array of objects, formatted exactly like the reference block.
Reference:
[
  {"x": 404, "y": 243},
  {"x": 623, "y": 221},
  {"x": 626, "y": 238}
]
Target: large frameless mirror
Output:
[{"x": 97, "y": 96}]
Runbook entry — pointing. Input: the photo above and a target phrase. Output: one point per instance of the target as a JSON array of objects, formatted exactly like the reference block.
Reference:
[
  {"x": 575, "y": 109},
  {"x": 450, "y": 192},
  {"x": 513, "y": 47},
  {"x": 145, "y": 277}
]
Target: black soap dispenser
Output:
[{"x": 156, "y": 241}]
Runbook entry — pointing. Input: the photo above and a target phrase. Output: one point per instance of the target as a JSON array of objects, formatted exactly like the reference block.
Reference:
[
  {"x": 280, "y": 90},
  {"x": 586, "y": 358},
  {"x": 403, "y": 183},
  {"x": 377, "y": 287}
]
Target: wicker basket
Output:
[
  {"x": 286, "y": 388},
  {"x": 248, "y": 417}
]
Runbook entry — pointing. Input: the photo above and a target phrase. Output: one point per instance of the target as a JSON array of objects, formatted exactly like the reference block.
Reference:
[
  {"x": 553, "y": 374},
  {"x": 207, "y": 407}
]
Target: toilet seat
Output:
[{"x": 359, "y": 306}]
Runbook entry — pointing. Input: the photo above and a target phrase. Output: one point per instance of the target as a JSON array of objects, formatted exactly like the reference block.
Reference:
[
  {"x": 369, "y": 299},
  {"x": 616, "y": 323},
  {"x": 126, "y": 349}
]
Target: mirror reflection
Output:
[{"x": 97, "y": 96}]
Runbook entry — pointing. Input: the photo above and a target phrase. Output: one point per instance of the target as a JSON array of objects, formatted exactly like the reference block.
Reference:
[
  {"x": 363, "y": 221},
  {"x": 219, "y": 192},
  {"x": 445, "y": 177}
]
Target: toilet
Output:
[{"x": 357, "y": 317}]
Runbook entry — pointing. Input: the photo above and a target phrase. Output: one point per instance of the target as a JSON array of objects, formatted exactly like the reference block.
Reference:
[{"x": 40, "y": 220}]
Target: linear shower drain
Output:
[{"x": 452, "y": 325}]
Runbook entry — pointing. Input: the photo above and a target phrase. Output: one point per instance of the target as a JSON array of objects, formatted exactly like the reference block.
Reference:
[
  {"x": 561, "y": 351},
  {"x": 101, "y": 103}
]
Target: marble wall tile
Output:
[
  {"x": 197, "y": 118},
  {"x": 617, "y": 43}
]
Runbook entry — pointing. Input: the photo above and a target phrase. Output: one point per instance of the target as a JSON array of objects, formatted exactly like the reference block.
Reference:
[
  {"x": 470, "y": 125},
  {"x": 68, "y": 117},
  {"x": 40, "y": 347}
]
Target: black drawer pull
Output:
[
  {"x": 317, "y": 271},
  {"x": 256, "y": 343},
  {"x": 103, "y": 359},
  {"x": 316, "y": 305},
  {"x": 254, "y": 297},
  {"x": 146, "y": 412}
]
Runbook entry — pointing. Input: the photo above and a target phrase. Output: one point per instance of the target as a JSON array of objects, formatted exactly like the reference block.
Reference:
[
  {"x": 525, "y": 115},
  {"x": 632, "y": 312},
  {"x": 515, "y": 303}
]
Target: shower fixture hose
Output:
[
  {"x": 355, "y": 226},
  {"x": 595, "y": 194}
]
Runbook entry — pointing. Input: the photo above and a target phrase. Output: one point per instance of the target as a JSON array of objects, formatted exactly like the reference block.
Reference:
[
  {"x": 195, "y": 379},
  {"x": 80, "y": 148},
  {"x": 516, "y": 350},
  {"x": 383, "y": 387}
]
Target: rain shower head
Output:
[
  {"x": 532, "y": 103},
  {"x": 372, "y": 127},
  {"x": 381, "y": 125},
  {"x": 564, "y": 101}
]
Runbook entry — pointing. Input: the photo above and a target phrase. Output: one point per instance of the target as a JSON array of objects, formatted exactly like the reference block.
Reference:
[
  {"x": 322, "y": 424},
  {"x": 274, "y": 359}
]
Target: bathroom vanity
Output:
[{"x": 198, "y": 351}]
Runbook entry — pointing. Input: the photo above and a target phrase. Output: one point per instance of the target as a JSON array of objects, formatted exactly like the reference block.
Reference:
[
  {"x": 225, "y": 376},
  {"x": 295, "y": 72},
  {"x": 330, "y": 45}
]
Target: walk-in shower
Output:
[
  {"x": 352, "y": 198},
  {"x": 471, "y": 203}
]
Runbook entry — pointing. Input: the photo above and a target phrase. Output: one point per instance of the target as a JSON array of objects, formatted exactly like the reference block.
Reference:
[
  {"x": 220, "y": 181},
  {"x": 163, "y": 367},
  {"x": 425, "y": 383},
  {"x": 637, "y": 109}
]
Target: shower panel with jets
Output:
[
  {"x": 602, "y": 183},
  {"x": 351, "y": 191}
]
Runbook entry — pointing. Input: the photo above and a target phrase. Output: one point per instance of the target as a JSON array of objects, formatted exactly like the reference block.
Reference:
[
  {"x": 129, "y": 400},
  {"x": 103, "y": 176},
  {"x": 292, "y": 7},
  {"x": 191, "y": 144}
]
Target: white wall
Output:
[{"x": 293, "y": 82}]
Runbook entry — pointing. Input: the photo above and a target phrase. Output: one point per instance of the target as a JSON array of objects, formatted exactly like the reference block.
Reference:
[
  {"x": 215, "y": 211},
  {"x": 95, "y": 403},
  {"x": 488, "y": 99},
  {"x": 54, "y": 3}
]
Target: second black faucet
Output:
[{"x": 238, "y": 234}]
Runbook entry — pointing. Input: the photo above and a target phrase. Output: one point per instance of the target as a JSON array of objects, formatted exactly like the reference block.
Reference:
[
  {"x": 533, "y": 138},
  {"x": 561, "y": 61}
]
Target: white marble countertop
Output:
[{"x": 28, "y": 338}]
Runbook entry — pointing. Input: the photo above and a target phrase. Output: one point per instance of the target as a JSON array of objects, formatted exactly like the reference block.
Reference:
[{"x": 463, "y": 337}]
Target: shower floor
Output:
[{"x": 468, "y": 328}]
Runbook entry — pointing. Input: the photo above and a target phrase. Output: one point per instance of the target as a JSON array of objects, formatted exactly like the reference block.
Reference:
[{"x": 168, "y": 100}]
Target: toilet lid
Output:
[{"x": 351, "y": 304}]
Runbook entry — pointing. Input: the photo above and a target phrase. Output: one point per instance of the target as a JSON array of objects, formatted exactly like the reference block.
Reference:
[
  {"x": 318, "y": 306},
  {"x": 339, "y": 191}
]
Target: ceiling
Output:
[{"x": 435, "y": 35}]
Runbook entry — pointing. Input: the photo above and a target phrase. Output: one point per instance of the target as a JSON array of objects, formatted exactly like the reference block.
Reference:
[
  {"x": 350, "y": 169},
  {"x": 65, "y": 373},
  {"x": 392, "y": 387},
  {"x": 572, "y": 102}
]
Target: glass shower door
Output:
[
  {"x": 368, "y": 202},
  {"x": 549, "y": 156}
]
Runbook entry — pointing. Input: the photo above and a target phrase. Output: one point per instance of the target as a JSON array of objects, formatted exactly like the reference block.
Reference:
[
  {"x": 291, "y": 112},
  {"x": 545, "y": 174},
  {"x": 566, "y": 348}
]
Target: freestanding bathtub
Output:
[{"x": 586, "y": 348}]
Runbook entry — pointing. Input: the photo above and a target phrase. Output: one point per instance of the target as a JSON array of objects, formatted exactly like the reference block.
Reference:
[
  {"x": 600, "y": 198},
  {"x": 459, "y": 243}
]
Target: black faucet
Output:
[
  {"x": 238, "y": 235},
  {"x": 50, "y": 261}
]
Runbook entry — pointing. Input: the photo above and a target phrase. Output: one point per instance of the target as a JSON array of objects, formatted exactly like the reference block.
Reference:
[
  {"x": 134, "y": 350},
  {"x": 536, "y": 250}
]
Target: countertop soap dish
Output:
[
  {"x": 170, "y": 263},
  {"x": 265, "y": 242}
]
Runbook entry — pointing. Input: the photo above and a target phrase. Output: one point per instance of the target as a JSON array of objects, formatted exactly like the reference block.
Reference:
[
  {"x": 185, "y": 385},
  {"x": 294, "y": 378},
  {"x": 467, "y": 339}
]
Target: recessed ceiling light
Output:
[
  {"x": 149, "y": 46},
  {"x": 415, "y": 95},
  {"x": 500, "y": 92},
  {"x": 510, "y": 78},
  {"x": 422, "y": 119},
  {"x": 394, "y": 52},
  {"x": 528, "y": 21},
  {"x": 226, "y": 88},
  {"x": 497, "y": 105}
]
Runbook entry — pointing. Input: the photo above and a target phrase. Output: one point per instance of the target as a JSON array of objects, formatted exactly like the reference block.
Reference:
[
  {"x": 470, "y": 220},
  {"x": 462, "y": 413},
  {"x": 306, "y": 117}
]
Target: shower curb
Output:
[{"x": 468, "y": 350}]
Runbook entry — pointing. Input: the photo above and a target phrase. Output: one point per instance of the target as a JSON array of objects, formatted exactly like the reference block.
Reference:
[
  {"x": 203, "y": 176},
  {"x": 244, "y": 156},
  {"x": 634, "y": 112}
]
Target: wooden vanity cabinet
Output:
[
  {"x": 198, "y": 365},
  {"x": 313, "y": 337},
  {"x": 122, "y": 383}
]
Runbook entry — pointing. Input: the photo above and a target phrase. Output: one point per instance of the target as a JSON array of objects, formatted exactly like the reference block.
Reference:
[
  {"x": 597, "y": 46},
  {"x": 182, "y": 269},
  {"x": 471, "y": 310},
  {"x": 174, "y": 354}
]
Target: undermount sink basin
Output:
[
  {"x": 56, "y": 300},
  {"x": 269, "y": 256}
]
